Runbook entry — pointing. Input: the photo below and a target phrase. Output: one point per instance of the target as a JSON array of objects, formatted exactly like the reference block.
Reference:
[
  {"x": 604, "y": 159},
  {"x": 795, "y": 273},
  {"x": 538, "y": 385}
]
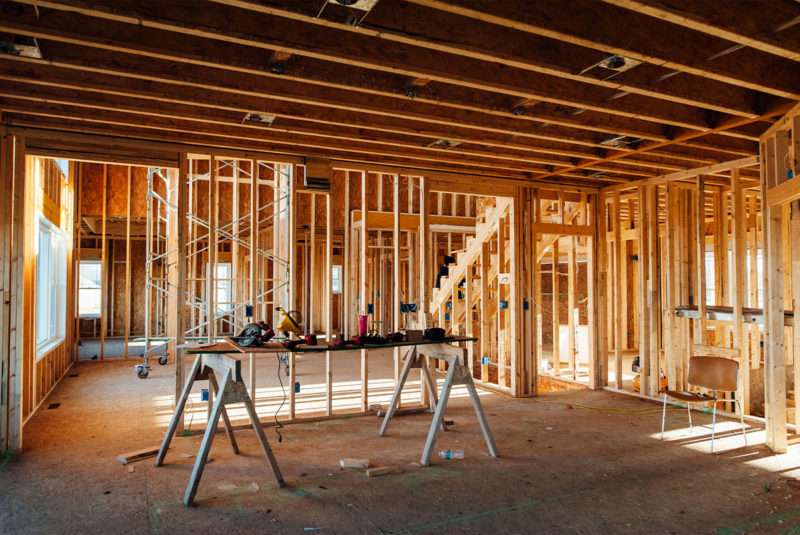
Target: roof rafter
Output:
[{"x": 644, "y": 38}]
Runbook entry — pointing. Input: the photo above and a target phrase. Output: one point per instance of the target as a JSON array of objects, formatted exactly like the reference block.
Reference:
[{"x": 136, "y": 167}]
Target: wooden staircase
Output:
[{"x": 484, "y": 231}]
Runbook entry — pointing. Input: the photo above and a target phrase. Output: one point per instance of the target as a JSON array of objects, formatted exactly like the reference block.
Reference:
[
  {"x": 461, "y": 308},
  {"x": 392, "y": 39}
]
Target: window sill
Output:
[{"x": 45, "y": 347}]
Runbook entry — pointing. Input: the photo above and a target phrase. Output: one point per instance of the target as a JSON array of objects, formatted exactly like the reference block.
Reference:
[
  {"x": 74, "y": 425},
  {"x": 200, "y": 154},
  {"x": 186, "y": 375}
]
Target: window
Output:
[
  {"x": 51, "y": 276},
  {"x": 90, "y": 291},
  {"x": 224, "y": 294},
  {"x": 336, "y": 279},
  {"x": 63, "y": 165}
]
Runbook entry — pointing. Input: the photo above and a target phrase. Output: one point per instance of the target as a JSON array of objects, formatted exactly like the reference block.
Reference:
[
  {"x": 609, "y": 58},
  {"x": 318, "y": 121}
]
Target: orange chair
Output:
[{"x": 717, "y": 374}]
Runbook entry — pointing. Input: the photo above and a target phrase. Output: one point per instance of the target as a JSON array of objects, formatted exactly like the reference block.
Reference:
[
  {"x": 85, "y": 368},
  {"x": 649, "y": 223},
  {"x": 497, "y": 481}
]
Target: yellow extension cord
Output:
[{"x": 613, "y": 410}]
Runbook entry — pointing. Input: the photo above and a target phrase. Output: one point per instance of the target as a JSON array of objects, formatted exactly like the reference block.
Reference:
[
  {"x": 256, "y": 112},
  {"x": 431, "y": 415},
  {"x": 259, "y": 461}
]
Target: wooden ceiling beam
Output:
[
  {"x": 142, "y": 136},
  {"x": 753, "y": 23},
  {"x": 149, "y": 27},
  {"x": 24, "y": 72},
  {"x": 597, "y": 126},
  {"x": 220, "y": 123},
  {"x": 489, "y": 130},
  {"x": 682, "y": 137},
  {"x": 407, "y": 23},
  {"x": 644, "y": 38},
  {"x": 253, "y": 139}
]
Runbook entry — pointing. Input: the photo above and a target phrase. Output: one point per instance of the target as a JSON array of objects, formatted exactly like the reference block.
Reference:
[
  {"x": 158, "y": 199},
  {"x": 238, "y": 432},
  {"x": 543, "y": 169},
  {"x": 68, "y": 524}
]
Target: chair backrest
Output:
[{"x": 715, "y": 373}]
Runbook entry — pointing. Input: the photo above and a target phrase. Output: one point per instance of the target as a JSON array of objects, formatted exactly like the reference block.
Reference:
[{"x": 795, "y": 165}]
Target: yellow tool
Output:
[{"x": 287, "y": 323}]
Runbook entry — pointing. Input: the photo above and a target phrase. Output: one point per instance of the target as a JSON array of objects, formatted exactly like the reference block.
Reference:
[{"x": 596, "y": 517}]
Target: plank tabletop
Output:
[{"x": 230, "y": 346}]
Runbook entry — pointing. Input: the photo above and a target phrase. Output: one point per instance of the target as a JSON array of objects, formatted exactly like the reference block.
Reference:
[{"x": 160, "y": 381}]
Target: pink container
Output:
[{"x": 362, "y": 325}]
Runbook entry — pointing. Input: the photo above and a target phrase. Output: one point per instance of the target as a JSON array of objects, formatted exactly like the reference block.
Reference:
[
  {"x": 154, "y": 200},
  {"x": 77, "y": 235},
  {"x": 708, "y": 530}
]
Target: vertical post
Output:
[
  {"x": 424, "y": 266},
  {"x": 645, "y": 355},
  {"x": 103, "y": 268},
  {"x": 6, "y": 230},
  {"x": 597, "y": 344},
  {"x": 739, "y": 288},
  {"x": 328, "y": 302},
  {"x": 700, "y": 238},
  {"x": 620, "y": 321},
  {"x": 396, "y": 277},
  {"x": 485, "y": 314},
  {"x": 556, "y": 316},
  {"x": 502, "y": 314},
  {"x": 312, "y": 252},
  {"x": 15, "y": 177},
  {"x": 654, "y": 291},
  {"x": 774, "y": 169},
  {"x": 795, "y": 231},
  {"x": 571, "y": 304},
  {"x": 177, "y": 238},
  {"x": 211, "y": 270},
  {"x": 363, "y": 295},
  {"x": 345, "y": 273},
  {"x": 536, "y": 296},
  {"x": 291, "y": 209},
  {"x": 254, "y": 224},
  {"x": 515, "y": 300},
  {"x": 128, "y": 264}
]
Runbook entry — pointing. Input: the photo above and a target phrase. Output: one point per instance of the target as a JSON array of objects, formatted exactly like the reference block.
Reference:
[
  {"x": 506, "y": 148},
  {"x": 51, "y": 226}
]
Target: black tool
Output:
[
  {"x": 434, "y": 333},
  {"x": 254, "y": 334}
]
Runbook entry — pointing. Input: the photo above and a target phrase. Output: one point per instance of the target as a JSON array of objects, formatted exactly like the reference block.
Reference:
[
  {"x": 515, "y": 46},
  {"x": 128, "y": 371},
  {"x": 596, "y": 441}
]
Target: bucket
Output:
[{"x": 362, "y": 325}]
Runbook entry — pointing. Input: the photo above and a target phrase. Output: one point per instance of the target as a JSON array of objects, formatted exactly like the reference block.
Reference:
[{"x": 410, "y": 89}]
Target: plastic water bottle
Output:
[{"x": 452, "y": 454}]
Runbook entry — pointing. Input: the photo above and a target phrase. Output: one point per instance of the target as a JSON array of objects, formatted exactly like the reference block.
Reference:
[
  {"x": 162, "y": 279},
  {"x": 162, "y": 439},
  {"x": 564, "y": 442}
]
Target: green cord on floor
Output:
[{"x": 6, "y": 459}]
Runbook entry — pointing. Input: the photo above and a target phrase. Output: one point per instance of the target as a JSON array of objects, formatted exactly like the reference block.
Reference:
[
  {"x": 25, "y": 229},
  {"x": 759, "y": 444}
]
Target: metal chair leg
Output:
[
  {"x": 741, "y": 419},
  {"x": 663, "y": 416},
  {"x": 689, "y": 411},
  {"x": 713, "y": 425}
]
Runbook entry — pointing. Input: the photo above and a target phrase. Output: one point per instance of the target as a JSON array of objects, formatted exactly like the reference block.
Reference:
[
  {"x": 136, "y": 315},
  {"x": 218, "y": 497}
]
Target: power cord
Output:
[
  {"x": 188, "y": 431},
  {"x": 278, "y": 425}
]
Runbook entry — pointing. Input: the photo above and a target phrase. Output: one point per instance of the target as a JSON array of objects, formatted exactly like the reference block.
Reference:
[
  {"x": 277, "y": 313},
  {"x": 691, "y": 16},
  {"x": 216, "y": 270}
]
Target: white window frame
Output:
[
  {"x": 223, "y": 291},
  {"x": 80, "y": 271},
  {"x": 51, "y": 279},
  {"x": 336, "y": 276}
]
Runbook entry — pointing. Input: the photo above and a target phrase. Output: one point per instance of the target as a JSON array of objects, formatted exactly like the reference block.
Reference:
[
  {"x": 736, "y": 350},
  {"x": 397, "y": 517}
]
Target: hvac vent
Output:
[
  {"x": 362, "y": 5},
  {"x": 621, "y": 141},
  {"x": 15, "y": 49},
  {"x": 318, "y": 174},
  {"x": 610, "y": 67},
  {"x": 259, "y": 118},
  {"x": 445, "y": 143},
  {"x": 619, "y": 63}
]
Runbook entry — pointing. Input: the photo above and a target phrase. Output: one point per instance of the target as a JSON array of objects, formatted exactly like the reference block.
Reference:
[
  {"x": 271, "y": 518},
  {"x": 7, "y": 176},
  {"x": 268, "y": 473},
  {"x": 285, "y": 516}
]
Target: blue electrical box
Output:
[
  {"x": 503, "y": 304},
  {"x": 449, "y": 305},
  {"x": 248, "y": 311},
  {"x": 447, "y": 316},
  {"x": 370, "y": 308},
  {"x": 297, "y": 386},
  {"x": 525, "y": 305},
  {"x": 204, "y": 394},
  {"x": 484, "y": 361}
]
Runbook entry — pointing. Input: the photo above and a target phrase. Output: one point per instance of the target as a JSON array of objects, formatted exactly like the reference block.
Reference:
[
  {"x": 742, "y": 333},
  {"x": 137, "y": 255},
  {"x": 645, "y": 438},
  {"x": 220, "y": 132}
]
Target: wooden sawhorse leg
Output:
[
  {"x": 233, "y": 390},
  {"x": 457, "y": 373},
  {"x": 413, "y": 360}
]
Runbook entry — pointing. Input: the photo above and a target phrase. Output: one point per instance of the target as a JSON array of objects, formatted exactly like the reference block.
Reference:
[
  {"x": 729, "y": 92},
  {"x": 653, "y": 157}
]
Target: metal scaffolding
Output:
[{"x": 237, "y": 247}]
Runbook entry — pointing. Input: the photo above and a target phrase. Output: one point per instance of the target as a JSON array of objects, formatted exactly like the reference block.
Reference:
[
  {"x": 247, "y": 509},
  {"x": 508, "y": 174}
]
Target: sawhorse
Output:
[
  {"x": 233, "y": 390},
  {"x": 457, "y": 373}
]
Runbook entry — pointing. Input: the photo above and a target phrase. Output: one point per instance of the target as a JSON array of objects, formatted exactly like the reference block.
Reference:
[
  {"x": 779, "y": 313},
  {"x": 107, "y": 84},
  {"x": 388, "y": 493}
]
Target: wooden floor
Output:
[{"x": 563, "y": 468}]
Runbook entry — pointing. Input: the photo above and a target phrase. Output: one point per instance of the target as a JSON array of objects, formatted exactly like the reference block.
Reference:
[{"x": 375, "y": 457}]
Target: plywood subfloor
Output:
[{"x": 562, "y": 470}]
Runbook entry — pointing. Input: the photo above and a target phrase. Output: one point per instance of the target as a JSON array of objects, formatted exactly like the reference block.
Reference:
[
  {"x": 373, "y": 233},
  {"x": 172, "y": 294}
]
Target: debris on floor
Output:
[
  {"x": 378, "y": 471},
  {"x": 138, "y": 455},
  {"x": 354, "y": 463}
]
